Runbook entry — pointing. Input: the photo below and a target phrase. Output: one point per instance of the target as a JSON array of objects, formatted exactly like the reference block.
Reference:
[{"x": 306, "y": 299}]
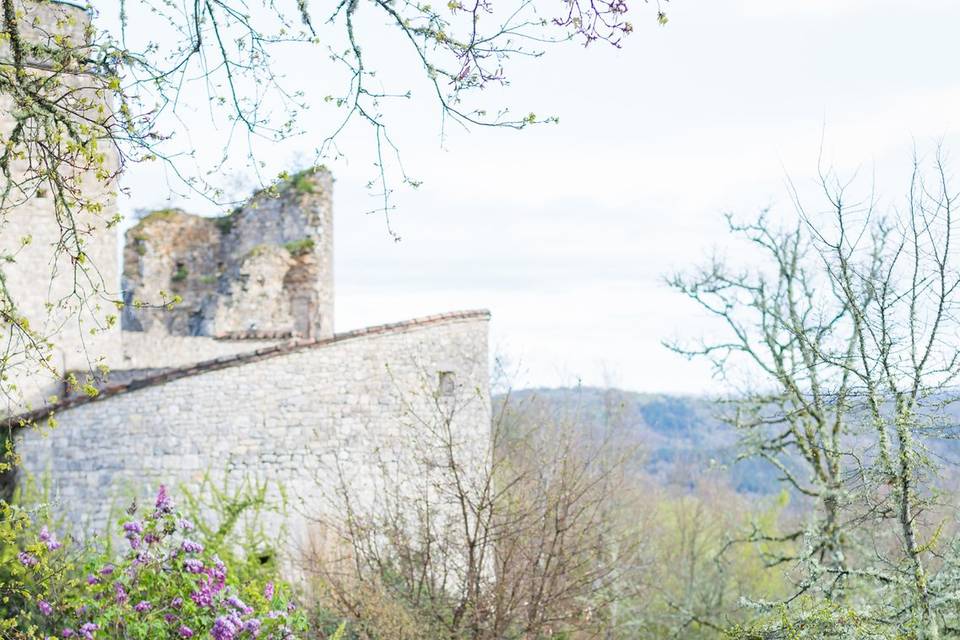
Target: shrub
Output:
[
  {"x": 165, "y": 584},
  {"x": 813, "y": 619}
]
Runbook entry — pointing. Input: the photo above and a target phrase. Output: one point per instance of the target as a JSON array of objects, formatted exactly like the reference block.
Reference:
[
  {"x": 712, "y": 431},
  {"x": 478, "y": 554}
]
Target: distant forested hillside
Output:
[
  {"x": 680, "y": 437},
  {"x": 677, "y": 437}
]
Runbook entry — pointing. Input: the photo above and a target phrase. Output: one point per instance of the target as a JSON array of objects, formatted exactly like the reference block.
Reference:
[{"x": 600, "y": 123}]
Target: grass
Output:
[
  {"x": 258, "y": 250},
  {"x": 300, "y": 247},
  {"x": 160, "y": 214},
  {"x": 302, "y": 181}
]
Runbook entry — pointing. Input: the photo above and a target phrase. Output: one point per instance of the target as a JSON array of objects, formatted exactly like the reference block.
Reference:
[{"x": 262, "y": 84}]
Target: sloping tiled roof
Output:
[
  {"x": 224, "y": 362},
  {"x": 75, "y": 5}
]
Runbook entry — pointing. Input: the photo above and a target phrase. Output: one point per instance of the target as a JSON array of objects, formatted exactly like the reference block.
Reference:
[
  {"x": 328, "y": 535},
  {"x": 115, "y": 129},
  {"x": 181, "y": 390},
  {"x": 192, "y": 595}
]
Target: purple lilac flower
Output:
[
  {"x": 49, "y": 539},
  {"x": 218, "y": 572},
  {"x": 134, "y": 526},
  {"x": 185, "y": 631},
  {"x": 27, "y": 559},
  {"x": 190, "y": 546},
  {"x": 107, "y": 570},
  {"x": 67, "y": 633},
  {"x": 193, "y": 565},
  {"x": 151, "y": 538},
  {"x": 185, "y": 524},
  {"x": 291, "y": 607},
  {"x": 252, "y": 626},
  {"x": 164, "y": 501},
  {"x": 92, "y": 579},
  {"x": 177, "y": 602},
  {"x": 268, "y": 591},
  {"x": 87, "y": 630},
  {"x": 273, "y": 615},
  {"x": 218, "y": 575},
  {"x": 214, "y": 583},
  {"x": 203, "y": 596},
  {"x": 143, "y": 606},
  {"x": 132, "y": 530},
  {"x": 238, "y": 604},
  {"x": 226, "y": 627},
  {"x": 121, "y": 593},
  {"x": 169, "y": 617},
  {"x": 44, "y": 607}
]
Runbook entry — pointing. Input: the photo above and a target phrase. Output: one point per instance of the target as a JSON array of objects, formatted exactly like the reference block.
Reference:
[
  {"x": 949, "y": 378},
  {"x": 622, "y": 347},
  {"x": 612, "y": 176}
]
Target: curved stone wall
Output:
[{"x": 294, "y": 416}]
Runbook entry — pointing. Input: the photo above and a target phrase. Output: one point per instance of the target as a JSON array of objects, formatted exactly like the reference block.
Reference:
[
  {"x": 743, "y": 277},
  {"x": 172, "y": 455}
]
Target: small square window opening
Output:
[{"x": 447, "y": 383}]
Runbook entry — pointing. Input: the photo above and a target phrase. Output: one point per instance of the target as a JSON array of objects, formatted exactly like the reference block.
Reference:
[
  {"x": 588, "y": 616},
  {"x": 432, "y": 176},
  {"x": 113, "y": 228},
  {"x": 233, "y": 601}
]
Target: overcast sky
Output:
[{"x": 565, "y": 231}]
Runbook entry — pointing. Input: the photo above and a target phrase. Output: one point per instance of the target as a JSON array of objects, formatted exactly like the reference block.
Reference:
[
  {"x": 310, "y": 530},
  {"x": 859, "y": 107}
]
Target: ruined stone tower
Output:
[
  {"x": 56, "y": 295},
  {"x": 263, "y": 271}
]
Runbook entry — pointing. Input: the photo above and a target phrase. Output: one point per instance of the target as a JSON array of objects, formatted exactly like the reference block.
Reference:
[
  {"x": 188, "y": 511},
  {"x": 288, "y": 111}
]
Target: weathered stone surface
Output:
[
  {"x": 289, "y": 417},
  {"x": 174, "y": 253},
  {"x": 153, "y": 349},
  {"x": 267, "y": 267}
]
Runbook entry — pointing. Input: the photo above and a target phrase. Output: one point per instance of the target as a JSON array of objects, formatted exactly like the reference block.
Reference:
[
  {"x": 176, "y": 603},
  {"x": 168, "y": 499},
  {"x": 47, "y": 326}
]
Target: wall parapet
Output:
[{"x": 224, "y": 362}]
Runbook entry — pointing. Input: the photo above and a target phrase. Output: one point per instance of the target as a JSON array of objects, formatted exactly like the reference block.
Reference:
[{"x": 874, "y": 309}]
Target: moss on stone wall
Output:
[
  {"x": 300, "y": 247},
  {"x": 302, "y": 181},
  {"x": 160, "y": 214}
]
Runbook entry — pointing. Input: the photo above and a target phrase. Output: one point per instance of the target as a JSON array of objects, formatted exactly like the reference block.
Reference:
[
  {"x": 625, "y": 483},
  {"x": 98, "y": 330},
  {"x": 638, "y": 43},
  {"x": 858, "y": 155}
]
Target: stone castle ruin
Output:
[
  {"x": 265, "y": 269},
  {"x": 243, "y": 377}
]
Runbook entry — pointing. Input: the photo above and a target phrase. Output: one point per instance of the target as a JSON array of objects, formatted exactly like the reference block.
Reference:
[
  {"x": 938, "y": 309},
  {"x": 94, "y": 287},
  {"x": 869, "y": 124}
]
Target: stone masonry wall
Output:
[
  {"x": 292, "y": 416},
  {"x": 146, "y": 353},
  {"x": 156, "y": 349},
  {"x": 266, "y": 268}
]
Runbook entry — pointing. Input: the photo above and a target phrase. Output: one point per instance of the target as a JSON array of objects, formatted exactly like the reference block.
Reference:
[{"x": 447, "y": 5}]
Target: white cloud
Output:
[{"x": 830, "y": 9}]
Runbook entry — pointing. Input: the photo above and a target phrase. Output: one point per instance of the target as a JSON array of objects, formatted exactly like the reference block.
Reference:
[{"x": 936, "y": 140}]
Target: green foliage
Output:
[
  {"x": 302, "y": 181},
  {"x": 229, "y": 521},
  {"x": 180, "y": 274},
  {"x": 257, "y": 250},
  {"x": 701, "y": 559},
  {"x": 812, "y": 619},
  {"x": 300, "y": 247},
  {"x": 225, "y": 223},
  {"x": 15, "y": 523},
  {"x": 302, "y": 184},
  {"x": 171, "y": 582},
  {"x": 160, "y": 214}
]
